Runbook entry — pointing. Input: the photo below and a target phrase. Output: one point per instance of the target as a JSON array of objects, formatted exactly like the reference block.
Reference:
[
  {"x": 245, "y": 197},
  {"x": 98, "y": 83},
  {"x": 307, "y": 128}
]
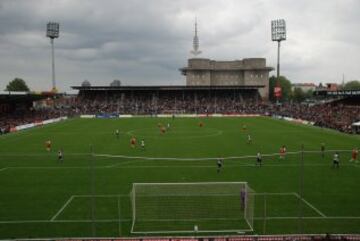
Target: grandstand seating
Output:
[{"x": 337, "y": 115}]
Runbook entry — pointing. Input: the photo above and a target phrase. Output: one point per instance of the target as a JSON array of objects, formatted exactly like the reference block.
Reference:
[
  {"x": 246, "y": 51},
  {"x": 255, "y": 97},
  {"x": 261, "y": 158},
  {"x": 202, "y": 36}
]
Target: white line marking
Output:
[
  {"x": 213, "y": 166},
  {"x": 275, "y": 193},
  {"x": 119, "y": 166},
  {"x": 62, "y": 208},
  {"x": 214, "y": 132},
  {"x": 43, "y": 154},
  {"x": 124, "y": 163},
  {"x": 54, "y": 167},
  {"x": 129, "y": 219},
  {"x": 102, "y": 195},
  {"x": 207, "y": 158},
  {"x": 310, "y": 205},
  {"x": 311, "y": 217}
]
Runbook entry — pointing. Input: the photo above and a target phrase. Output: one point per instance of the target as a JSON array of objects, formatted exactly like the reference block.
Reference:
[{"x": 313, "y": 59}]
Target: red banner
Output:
[{"x": 277, "y": 92}]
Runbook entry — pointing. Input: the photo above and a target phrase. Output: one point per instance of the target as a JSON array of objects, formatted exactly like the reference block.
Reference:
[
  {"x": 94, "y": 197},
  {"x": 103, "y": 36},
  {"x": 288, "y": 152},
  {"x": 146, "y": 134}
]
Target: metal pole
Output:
[
  {"x": 301, "y": 189},
  {"x": 278, "y": 61},
  {"x": 264, "y": 224},
  {"x": 278, "y": 71},
  {"x": 215, "y": 102},
  {"x": 92, "y": 174},
  {"x": 53, "y": 64},
  {"x": 119, "y": 210}
]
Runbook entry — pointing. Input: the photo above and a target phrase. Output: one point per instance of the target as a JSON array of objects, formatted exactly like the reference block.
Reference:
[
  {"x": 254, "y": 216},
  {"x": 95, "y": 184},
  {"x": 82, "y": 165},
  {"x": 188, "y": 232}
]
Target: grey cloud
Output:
[{"x": 145, "y": 42}]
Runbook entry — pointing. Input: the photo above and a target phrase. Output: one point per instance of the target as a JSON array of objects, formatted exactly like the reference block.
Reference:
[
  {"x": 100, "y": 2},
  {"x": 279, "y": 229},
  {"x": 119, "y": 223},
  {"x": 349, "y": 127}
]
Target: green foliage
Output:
[
  {"x": 285, "y": 88},
  {"x": 309, "y": 94},
  {"x": 352, "y": 85},
  {"x": 298, "y": 95},
  {"x": 17, "y": 84}
]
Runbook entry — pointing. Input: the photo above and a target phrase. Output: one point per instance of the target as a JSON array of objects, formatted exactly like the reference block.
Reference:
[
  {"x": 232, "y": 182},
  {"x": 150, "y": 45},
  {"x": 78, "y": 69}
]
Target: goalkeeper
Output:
[{"x": 243, "y": 197}]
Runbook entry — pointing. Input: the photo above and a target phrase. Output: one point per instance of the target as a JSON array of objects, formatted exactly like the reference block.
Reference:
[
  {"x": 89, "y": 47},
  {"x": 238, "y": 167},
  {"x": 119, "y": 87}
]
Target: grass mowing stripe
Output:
[{"x": 118, "y": 166}]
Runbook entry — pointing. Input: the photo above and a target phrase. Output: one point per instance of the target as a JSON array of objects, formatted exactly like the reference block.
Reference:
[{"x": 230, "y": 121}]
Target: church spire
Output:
[{"x": 196, "y": 42}]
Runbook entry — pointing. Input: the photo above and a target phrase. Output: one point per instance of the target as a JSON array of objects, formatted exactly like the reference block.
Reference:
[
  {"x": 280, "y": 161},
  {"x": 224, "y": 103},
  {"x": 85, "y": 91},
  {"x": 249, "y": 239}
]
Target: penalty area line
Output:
[
  {"x": 62, "y": 208},
  {"x": 310, "y": 205}
]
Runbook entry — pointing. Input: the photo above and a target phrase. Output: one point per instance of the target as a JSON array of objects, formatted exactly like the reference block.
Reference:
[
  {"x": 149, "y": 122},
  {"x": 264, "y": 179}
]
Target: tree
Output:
[
  {"x": 285, "y": 85},
  {"x": 17, "y": 84},
  {"x": 309, "y": 94},
  {"x": 352, "y": 85},
  {"x": 298, "y": 95}
]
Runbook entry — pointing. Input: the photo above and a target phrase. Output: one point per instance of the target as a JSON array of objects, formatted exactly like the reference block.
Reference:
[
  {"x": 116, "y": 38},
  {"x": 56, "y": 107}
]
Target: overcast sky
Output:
[{"x": 145, "y": 42}]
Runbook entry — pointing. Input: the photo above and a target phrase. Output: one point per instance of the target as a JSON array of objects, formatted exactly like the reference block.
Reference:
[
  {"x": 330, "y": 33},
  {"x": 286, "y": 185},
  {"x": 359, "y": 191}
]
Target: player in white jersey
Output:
[
  {"x": 60, "y": 156},
  {"x": 336, "y": 160},
  {"x": 258, "y": 159},
  {"x": 142, "y": 144},
  {"x": 249, "y": 140},
  {"x": 219, "y": 164}
]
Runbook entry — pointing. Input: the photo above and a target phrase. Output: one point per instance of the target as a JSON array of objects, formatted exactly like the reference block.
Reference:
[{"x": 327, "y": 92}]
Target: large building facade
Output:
[{"x": 245, "y": 72}]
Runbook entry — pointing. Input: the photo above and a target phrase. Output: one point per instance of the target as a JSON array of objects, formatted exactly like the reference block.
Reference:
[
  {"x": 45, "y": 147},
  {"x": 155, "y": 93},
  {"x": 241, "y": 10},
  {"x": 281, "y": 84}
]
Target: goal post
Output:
[{"x": 192, "y": 207}]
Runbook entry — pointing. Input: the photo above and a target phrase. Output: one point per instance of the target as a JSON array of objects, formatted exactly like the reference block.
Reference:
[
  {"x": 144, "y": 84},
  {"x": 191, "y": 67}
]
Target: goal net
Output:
[{"x": 192, "y": 207}]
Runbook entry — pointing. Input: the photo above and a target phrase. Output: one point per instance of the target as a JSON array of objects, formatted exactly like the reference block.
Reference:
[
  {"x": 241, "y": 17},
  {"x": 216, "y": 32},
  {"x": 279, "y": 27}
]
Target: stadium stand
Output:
[
  {"x": 339, "y": 114},
  {"x": 17, "y": 109}
]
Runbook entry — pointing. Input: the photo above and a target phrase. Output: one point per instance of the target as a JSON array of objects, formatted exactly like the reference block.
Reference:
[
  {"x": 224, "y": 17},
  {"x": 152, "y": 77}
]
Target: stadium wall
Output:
[
  {"x": 302, "y": 237},
  {"x": 170, "y": 116},
  {"x": 38, "y": 123},
  {"x": 290, "y": 119}
]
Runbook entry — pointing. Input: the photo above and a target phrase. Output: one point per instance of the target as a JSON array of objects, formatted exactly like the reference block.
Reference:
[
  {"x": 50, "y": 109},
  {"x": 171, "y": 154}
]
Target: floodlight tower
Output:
[
  {"x": 278, "y": 33},
  {"x": 52, "y": 32}
]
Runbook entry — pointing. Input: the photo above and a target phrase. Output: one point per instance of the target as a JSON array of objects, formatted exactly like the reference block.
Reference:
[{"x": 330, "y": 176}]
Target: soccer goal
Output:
[{"x": 192, "y": 207}]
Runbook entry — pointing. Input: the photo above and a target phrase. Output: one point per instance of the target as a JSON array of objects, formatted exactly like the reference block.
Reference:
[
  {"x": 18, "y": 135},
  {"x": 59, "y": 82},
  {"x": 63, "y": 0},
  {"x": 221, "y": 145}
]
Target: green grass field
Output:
[{"x": 89, "y": 195}]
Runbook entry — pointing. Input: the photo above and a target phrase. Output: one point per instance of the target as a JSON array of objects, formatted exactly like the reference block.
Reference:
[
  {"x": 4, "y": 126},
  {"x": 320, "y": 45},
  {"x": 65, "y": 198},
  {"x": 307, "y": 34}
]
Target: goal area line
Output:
[
  {"x": 297, "y": 196},
  {"x": 72, "y": 197},
  {"x": 54, "y": 218}
]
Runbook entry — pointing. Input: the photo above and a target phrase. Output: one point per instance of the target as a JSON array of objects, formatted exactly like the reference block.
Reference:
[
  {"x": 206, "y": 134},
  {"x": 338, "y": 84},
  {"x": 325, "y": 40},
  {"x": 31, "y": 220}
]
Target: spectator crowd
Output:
[{"x": 337, "y": 115}]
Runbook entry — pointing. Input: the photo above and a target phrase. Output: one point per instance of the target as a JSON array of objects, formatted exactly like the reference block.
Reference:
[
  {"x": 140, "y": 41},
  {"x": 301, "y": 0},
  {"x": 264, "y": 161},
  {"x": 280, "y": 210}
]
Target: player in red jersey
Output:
[
  {"x": 282, "y": 152},
  {"x": 133, "y": 142},
  {"x": 244, "y": 128},
  {"x": 162, "y": 130},
  {"x": 354, "y": 155},
  {"x": 48, "y": 145}
]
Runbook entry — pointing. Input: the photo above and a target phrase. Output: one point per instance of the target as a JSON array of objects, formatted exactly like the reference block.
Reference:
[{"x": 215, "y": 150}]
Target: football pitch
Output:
[{"x": 90, "y": 193}]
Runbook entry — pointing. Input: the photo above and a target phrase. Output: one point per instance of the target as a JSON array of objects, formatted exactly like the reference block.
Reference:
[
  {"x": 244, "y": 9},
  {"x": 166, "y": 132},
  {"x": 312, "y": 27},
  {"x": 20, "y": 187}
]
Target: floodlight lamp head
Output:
[
  {"x": 52, "y": 30},
  {"x": 278, "y": 30}
]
